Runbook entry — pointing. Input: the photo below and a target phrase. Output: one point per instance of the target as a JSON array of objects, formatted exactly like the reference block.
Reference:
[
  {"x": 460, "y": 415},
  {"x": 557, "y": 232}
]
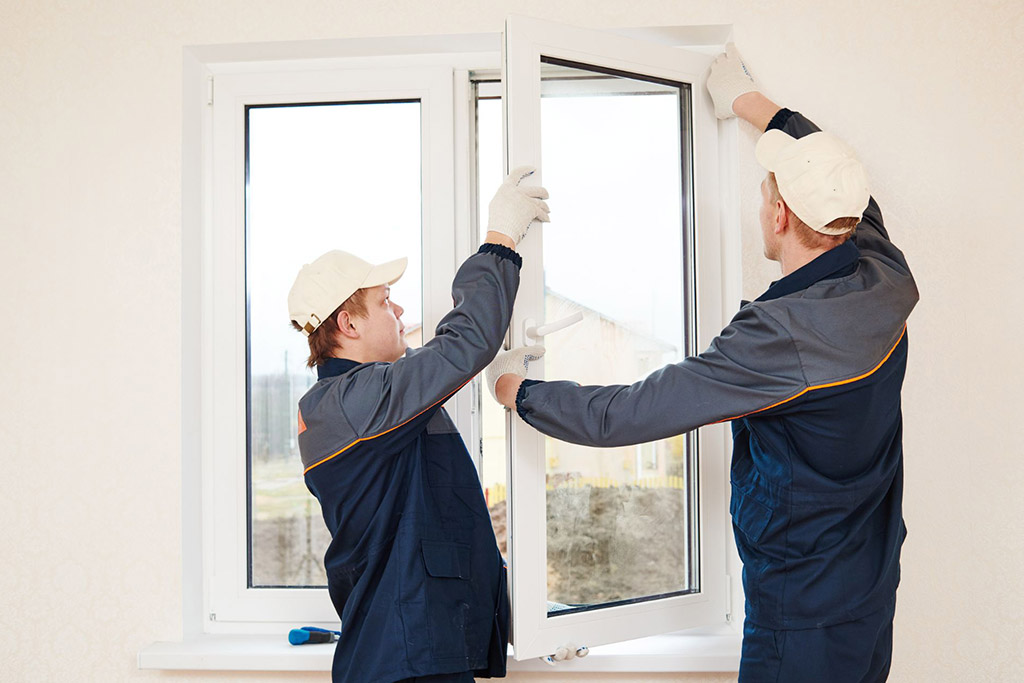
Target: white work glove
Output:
[
  {"x": 512, "y": 362},
  {"x": 728, "y": 80},
  {"x": 514, "y": 208}
]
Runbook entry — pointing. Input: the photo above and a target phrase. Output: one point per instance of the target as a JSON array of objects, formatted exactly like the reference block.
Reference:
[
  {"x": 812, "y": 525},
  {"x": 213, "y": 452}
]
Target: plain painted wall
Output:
[{"x": 90, "y": 131}]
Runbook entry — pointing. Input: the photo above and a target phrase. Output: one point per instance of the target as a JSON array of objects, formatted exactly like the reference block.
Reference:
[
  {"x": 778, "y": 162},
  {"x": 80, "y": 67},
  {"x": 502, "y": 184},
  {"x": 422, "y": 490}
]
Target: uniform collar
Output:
[
  {"x": 836, "y": 262},
  {"x": 333, "y": 367}
]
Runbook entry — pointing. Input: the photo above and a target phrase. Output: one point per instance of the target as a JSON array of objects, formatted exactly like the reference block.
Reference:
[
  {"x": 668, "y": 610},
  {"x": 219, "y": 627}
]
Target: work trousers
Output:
[
  {"x": 854, "y": 652},
  {"x": 464, "y": 677}
]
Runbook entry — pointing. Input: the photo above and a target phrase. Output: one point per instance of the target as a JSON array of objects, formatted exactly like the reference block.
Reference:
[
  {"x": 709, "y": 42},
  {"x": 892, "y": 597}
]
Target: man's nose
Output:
[{"x": 398, "y": 309}]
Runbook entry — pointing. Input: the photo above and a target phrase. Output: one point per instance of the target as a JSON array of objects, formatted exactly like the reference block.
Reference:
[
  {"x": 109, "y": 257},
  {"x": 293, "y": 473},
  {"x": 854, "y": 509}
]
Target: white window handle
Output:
[{"x": 533, "y": 332}]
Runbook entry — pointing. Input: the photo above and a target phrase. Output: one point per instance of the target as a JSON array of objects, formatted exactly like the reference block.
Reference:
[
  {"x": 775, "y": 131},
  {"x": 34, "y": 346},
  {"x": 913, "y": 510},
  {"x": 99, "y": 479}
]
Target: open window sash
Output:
[{"x": 556, "y": 601}]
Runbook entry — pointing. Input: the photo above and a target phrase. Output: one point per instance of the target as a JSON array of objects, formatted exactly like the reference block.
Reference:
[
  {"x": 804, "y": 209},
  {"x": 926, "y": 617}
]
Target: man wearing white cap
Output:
[
  {"x": 809, "y": 375},
  {"x": 413, "y": 569}
]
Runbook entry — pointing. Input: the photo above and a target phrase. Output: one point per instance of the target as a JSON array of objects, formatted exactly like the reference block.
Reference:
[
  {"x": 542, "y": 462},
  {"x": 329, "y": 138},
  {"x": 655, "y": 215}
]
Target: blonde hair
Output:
[{"x": 808, "y": 237}]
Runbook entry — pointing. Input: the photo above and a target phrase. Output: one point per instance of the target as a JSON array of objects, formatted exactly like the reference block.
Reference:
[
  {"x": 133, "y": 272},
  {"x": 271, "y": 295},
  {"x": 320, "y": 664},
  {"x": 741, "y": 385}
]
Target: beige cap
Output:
[
  {"x": 326, "y": 283},
  {"x": 819, "y": 177}
]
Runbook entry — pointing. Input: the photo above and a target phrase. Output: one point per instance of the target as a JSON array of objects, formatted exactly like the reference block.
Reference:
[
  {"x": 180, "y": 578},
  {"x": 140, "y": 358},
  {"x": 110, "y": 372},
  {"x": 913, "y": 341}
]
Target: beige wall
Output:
[{"x": 90, "y": 133}]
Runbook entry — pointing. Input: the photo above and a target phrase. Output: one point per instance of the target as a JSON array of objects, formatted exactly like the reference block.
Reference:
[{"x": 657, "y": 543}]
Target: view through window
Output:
[
  {"x": 620, "y": 521},
  {"x": 346, "y": 176},
  {"x": 319, "y": 177}
]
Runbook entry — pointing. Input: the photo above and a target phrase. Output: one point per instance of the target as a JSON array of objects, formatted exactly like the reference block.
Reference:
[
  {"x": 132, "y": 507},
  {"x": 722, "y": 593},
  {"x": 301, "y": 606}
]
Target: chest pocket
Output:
[
  {"x": 448, "y": 461},
  {"x": 451, "y": 473}
]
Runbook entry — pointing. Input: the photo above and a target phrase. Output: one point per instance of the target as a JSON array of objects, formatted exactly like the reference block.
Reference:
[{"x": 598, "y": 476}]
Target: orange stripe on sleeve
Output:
[
  {"x": 823, "y": 386},
  {"x": 368, "y": 438}
]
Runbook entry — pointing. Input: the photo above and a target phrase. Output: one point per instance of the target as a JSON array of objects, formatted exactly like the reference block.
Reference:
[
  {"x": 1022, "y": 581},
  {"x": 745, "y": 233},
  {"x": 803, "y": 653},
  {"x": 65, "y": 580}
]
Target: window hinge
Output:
[
  {"x": 566, "y": 652},
  {"x": 209, "y": 90}
]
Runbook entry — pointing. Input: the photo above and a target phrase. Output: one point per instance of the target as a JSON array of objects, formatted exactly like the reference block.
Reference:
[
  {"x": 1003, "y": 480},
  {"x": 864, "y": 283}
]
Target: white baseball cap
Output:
[
  {"x": 326, "y": 283},
  {"x": 819, "y": 177}
]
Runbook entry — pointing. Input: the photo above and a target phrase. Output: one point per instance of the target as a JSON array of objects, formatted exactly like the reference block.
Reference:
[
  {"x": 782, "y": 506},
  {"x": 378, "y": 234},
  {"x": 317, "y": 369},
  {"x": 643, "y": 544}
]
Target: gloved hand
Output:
[
  {"x": 514, "y": 208},
  {"x": 728, "y": 80},
  {"x": 514, "y": 361}
]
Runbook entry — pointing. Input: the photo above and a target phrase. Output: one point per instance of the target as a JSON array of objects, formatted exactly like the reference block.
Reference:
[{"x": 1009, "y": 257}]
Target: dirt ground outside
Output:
[{"x": 604, "y": 544}]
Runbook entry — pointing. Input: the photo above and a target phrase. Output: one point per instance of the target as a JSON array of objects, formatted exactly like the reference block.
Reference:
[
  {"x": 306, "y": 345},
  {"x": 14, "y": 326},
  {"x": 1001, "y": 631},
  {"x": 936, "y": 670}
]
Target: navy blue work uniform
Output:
[
  {"x": 413, "y": 569},
  {"x": 810, "y": 376}
]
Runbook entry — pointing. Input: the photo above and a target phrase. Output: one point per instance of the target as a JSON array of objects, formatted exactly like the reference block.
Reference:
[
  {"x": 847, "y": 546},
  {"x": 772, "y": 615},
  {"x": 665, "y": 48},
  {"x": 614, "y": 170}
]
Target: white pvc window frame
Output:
[
  {"x": 215, "y": 600},
  {"x": 534, "y": 632},
  {"x": 227, "y": 598}
]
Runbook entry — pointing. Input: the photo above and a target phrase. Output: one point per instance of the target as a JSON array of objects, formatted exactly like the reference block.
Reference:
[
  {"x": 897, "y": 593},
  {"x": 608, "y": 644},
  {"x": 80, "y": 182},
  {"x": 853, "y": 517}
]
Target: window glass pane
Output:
[
  {"x": 320, "y": 177},
  {"x": 615, "y": 153},
  {"x": 616, "y": 157}
]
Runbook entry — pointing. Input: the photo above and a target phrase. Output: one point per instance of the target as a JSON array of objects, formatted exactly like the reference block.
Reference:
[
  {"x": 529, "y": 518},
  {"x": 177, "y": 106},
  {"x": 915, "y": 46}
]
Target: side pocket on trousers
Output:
[
  {"x": 448, "y": 594},
  {"x": 445, "y": 560}
]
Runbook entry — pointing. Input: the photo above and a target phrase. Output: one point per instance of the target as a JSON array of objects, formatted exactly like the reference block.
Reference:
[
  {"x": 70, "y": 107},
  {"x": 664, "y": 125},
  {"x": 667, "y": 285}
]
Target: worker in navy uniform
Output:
[
  {"x": 810, "y": 376},
  {"x": 413, "y": 569}
]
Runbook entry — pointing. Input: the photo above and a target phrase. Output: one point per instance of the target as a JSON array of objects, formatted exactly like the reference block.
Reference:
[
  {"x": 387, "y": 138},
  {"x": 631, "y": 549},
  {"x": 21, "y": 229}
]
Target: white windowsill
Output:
[{"x": 668, "y": 653}]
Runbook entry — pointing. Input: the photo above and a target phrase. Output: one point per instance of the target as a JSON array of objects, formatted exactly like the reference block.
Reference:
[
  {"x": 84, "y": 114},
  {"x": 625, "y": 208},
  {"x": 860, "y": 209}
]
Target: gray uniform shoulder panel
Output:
[
  {"x": 327, "y": 428},
  {"x": 843, "y": 328}
]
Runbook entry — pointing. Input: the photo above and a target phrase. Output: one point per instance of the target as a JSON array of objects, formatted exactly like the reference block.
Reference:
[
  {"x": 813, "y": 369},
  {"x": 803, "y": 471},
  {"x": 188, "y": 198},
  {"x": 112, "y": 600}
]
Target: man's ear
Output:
[
  {"x": 782, "y": 214},
  {"x": 345, "y": 325}
]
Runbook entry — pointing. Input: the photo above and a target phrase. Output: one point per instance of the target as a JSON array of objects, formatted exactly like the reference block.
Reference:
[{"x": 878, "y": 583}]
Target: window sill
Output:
[{"x": 668, "y": 653}]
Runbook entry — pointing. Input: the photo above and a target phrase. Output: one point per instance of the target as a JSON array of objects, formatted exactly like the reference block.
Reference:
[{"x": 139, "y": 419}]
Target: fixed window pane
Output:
[{"x": 319, "y": 177}]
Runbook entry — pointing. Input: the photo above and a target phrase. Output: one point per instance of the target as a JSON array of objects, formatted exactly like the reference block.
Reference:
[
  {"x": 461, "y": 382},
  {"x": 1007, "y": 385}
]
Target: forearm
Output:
[
  {"x": 752, "y": 365},
  {"x": 606, "y": 416},
  {"x": 506, "y": 389},
  {"x": 590, "y": 416},
  {"x": 475, "y": 328},
  {"x": 498, "y": 238},
  {"x": 755, "y": 109},
  {"x": 465, "y": 340}
]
